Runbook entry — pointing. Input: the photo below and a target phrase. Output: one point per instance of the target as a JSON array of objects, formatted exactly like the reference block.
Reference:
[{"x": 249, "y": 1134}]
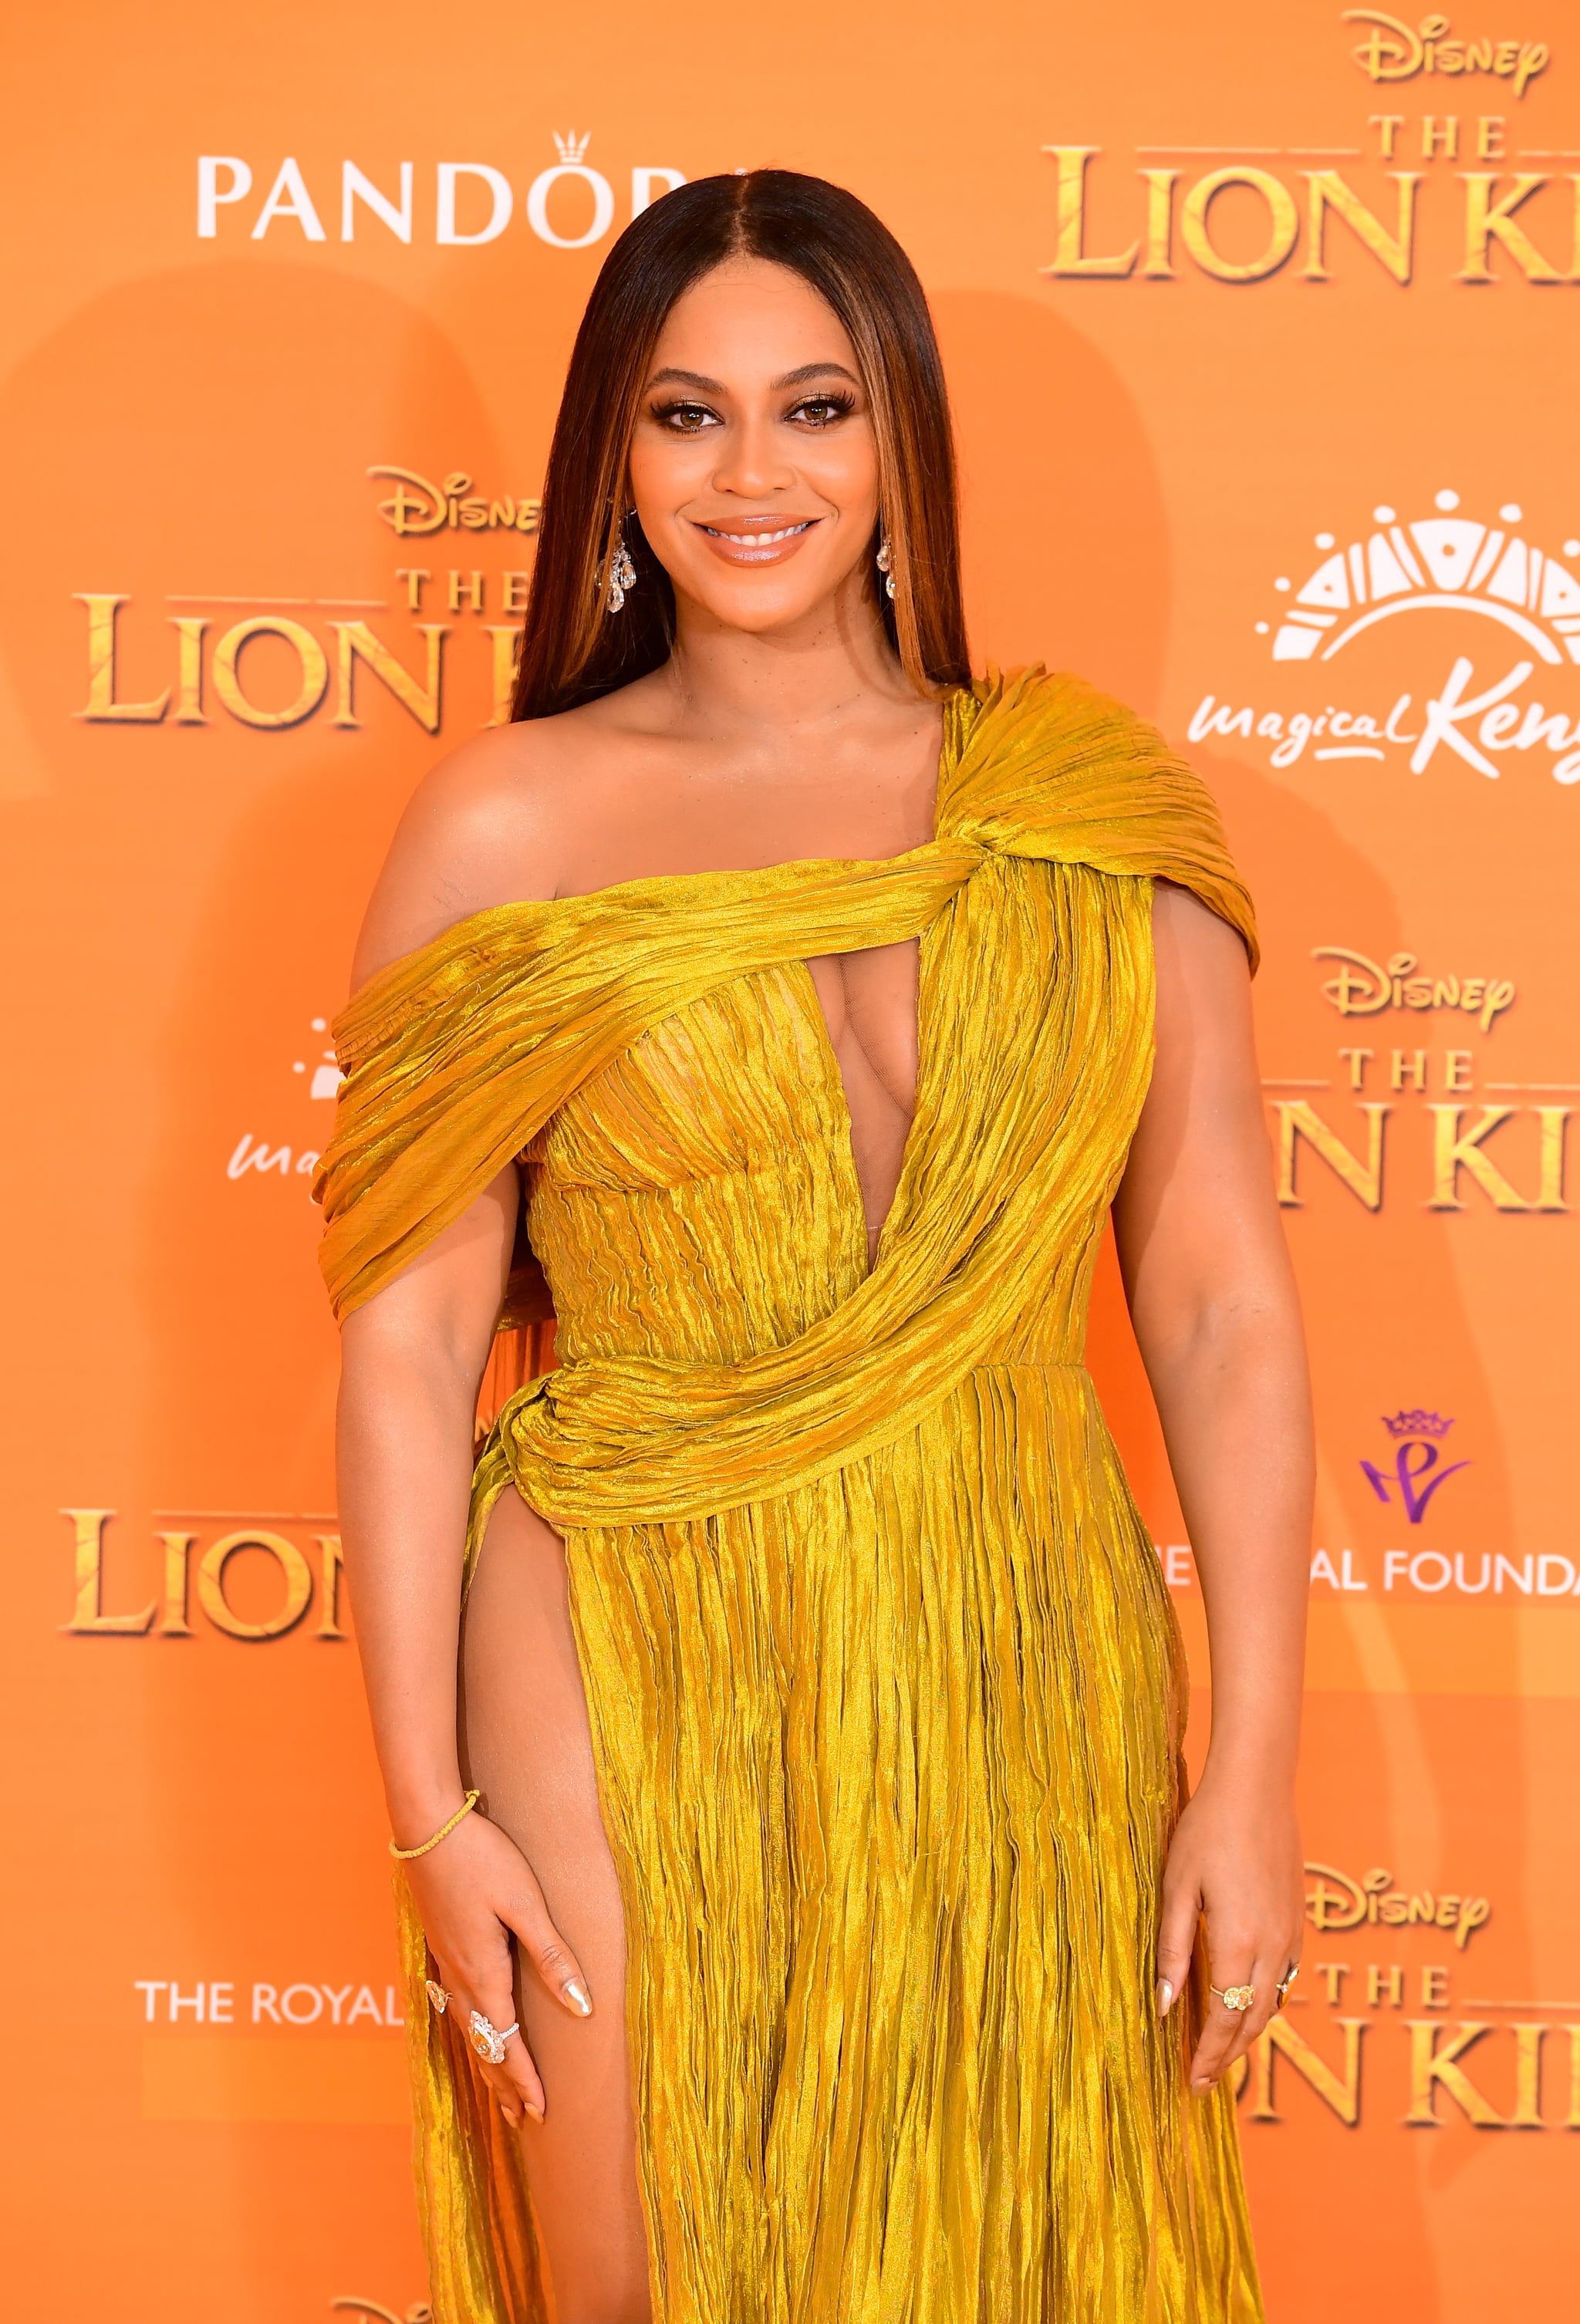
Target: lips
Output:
[{"x": 758, "y": 544}]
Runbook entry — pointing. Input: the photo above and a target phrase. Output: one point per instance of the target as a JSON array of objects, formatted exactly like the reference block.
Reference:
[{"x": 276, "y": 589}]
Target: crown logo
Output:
[
  {"x": 570, "y": 147},
  {"x": 1416, "y": 1423}
]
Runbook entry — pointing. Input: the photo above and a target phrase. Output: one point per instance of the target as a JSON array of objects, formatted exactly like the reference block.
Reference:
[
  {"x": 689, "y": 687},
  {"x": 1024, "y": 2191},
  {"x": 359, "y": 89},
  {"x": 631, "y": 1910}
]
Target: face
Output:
[{"x": 754, "y": 467}]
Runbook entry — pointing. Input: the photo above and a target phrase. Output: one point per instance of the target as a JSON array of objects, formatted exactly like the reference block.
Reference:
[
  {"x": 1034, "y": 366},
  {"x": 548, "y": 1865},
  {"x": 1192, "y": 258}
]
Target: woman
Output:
[{"x": 792, "y": 999}]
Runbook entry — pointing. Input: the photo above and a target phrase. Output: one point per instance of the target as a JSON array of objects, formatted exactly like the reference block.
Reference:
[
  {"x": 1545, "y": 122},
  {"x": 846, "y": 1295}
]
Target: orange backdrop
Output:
[{"x": 1256, "y": 320}]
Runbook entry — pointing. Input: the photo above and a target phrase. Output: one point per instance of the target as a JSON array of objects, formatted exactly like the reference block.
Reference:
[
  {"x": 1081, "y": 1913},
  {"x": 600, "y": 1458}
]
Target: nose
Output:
[{"x": 752, "y": 462}]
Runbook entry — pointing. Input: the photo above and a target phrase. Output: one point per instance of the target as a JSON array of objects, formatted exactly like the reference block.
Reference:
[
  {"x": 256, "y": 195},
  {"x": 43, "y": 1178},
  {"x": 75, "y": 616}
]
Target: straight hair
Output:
[{"x": 573, "y": 648}]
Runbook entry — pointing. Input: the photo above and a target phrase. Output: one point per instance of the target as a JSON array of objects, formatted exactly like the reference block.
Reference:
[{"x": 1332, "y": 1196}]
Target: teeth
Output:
[{"x": 759, "y": 539}]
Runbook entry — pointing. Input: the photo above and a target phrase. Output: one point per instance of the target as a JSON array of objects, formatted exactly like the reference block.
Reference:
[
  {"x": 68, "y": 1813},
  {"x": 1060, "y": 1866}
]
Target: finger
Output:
[
  {"x": 515, "y": 2081},
  {"x": 1263, "y": 1980},
  {"x": 1223, "y": 2027},
  {"x": 1177, "y": 1927},
  {"x": 551, "y": 1959}
]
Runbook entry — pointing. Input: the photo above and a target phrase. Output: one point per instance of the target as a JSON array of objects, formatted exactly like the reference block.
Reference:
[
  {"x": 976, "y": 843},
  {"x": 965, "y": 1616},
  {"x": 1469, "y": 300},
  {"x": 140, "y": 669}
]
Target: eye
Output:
[
  {"x": 685, "y": 418},
  {"x": 822, "y": 410}
]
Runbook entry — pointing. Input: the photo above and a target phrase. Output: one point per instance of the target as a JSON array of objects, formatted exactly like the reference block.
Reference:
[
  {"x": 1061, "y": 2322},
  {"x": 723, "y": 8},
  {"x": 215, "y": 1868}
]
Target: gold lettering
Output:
[
  {"x": 1415, "y": 1067},
  {"x": 1334, "y": 1973},
  {"x": 1489, "y": 137},
  {"x": 315, "y": 671},
  {"x": 413, "y": 576},
  {"x": 515, "y": 592},
  {"x": 507, "y": 645},
  {"x": 1485, "y": 219},
  {"x": 1283, "y": 227},
  {"x": 87, "y": 1618},
  {"x": 292, "y": 1564},
  {"x": 1534, "y": 58},
  {"x": 1452, "y": 1153},
  {"x": 1388, "y": 126},
  {"x": 471, "y": 590},
  {"x": 1433, "y": 1989},
  {"x": 1357, "y": 1060},
  {"x": 189, "y": 630},
  {"x": 101, "y": 705},
  {"x": 1526, "y": 2114},
  {"x": 1549, "y": 1193},
  {"x": 1572, "y": 2119},
  {"x": 1071, "y": 217},
  {"x": 1160, "y": 261},
  {"x": 1297, "y": 1119},
  {"x": 178, "y": 1552},
  {"x": 1440, "y": 135},
  {"x": 1456, "y": 1065},
  {"x": 1326, "y": 190},
  {"x": 1431, "y": 2068},
  {"x": 1341, "y": 2093},
  {"x": 1384, "y": 1985},
  {"x": 358, "y": 643},
  {"x": 329, "y": 1613}
]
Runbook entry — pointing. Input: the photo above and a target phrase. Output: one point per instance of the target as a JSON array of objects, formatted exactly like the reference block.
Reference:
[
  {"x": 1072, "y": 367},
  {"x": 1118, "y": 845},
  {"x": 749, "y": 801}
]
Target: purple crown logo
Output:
[{"x": 1416, "y": 1423}]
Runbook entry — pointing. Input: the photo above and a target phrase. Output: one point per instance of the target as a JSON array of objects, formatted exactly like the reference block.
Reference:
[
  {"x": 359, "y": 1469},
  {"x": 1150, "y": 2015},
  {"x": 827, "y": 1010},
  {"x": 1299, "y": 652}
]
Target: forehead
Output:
[{"x": 749, "y": 320}]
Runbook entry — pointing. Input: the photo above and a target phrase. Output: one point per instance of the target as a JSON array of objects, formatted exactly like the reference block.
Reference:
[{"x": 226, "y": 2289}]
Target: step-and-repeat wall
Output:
[{"x": 1259, "y": 323}]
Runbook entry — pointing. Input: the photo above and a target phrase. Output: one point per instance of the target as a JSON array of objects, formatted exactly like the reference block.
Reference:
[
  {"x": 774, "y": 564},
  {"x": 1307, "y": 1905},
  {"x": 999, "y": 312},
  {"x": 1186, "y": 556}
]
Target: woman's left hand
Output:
[{"x": 1235, "y": 1862}]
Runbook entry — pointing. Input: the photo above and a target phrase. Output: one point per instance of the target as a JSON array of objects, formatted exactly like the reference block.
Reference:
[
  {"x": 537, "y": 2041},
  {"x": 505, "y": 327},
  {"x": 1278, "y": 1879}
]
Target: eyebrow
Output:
[{"x": 671, "y": 376}]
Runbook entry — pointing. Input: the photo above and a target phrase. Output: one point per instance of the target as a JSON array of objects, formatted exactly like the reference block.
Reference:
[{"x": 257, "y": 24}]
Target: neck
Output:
[{"x": 834, "y": 662}]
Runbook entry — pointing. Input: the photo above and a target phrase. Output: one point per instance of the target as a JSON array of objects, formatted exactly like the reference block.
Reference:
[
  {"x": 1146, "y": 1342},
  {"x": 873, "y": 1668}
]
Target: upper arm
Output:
[
  {"x": 480, "y": 829},
  {"x": 1195, "y": 1219}
]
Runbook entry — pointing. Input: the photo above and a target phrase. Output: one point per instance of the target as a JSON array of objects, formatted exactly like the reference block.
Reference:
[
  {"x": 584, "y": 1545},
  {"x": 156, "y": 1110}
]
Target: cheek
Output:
[
  {"x": 843, "y": 468},
  {"x": 667, "y": 471}
]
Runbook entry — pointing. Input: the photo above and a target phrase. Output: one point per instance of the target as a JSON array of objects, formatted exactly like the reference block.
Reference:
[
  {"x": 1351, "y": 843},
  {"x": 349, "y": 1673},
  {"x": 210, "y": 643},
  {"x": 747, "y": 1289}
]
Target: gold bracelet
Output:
[{"x": 444, "y": 1831}]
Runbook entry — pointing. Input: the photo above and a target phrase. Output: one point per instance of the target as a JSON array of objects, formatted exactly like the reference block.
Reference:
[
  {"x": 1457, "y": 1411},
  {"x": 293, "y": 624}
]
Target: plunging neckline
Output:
[{"x": 805, "y": 987}]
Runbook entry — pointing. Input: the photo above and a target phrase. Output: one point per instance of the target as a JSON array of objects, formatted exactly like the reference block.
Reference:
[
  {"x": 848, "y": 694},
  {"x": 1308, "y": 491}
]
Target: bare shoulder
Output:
[{"x": 487, "y": 825}]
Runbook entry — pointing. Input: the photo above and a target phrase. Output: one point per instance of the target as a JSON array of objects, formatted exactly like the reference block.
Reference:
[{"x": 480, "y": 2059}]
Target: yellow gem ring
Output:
[
  {"x": 1235, "y": 1996},
  {"x": 487, "y": 2040}
]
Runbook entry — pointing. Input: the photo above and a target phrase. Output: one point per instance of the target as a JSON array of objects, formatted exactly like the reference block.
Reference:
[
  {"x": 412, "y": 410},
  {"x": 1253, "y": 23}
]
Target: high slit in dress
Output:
[{"x": 886, "y": 1690}]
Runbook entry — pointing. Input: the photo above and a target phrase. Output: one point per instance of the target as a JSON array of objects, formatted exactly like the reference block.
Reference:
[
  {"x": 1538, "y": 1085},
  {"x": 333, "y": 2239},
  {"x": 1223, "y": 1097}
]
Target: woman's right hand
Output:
[{"x": 473, "y": 1893}]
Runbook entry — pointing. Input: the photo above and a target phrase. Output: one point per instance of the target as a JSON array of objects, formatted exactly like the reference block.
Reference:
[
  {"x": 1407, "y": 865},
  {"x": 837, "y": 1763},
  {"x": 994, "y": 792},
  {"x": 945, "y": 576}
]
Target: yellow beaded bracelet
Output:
[{"x": 444, "y": 1831}]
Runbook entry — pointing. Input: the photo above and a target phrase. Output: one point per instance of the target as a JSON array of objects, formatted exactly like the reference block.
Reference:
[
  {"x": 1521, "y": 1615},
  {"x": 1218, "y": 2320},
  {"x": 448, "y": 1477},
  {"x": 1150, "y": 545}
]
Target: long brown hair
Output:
[{"x": 573, "y": 649}]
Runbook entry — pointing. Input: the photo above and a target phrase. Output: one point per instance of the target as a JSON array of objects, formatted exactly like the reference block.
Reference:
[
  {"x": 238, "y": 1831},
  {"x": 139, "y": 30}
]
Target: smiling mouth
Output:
[{"x": 759, "y": 542}]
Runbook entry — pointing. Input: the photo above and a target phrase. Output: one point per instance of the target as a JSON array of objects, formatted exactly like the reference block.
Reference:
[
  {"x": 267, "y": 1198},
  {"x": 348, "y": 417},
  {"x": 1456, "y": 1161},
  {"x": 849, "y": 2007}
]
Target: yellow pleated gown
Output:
[{"x": 885, "y": 1688}]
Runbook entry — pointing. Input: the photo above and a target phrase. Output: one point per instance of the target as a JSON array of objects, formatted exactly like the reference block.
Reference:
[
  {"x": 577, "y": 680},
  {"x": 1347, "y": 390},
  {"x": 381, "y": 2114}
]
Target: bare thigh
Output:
[{"x": 527, "y": 1744}]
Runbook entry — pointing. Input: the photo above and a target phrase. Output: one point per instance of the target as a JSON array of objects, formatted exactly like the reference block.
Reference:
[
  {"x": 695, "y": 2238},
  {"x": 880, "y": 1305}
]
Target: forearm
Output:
[
  {"x": 1233, "y": 1394},
  {"x": 404, "y": 1448}
]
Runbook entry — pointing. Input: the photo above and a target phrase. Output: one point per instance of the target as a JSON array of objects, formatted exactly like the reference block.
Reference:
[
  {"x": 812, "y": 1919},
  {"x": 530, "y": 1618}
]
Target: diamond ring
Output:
[
  {"x": 486, "y": 2038},
  {"x": 437, "y": 1998},
  {"x": 1235, "y": 1996}
]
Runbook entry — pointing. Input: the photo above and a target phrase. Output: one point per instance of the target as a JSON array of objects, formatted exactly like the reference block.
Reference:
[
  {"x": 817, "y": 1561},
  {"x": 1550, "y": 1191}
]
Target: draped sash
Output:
[{"x": 458, "y": 1055}]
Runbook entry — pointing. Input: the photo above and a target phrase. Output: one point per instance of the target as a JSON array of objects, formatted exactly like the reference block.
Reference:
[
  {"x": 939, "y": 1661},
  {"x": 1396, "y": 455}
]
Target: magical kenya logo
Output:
[{"x": 1436, "y": 570}]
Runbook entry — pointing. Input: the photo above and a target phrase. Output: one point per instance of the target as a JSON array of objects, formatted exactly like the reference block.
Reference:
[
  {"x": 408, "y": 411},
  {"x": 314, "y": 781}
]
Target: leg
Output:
[{"x": 526, "y": 1742}]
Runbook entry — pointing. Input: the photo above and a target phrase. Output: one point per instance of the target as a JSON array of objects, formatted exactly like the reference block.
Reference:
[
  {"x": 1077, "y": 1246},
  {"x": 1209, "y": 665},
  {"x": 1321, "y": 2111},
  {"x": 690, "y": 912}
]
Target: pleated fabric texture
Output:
[{"x": 885, "y": 1688}]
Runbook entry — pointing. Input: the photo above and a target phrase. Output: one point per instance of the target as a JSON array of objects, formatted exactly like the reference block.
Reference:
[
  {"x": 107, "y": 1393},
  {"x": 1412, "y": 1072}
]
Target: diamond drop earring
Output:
[
  {"x": 886, "y": 564},
  {"x": 622, "y": 571}
]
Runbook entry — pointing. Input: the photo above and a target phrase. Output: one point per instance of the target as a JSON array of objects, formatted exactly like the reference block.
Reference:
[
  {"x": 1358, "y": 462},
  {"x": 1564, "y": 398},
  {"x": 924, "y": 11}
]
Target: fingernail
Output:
[
  {"x": 1165, "y": 1996},
  {"x": 1199, "y": 2089},
  {"x": 536, "y": 2113},
  {"x": 578, "y": 1996}
]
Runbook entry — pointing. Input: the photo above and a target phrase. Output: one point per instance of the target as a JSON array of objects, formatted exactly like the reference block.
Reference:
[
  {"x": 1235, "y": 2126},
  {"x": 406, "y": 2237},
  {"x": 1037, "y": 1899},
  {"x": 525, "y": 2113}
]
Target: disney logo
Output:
[
  {"x": 1393, "y": 52},
  {"x": 416, "y": 505},
  {"x": 1364, "y": 987},
  {"x": 1339, "y": 1902}
]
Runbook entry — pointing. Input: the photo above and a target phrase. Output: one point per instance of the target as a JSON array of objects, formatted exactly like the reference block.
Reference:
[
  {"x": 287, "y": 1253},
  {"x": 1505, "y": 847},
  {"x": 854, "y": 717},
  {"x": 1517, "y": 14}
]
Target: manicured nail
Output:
[
  {"x": 1165, "y": 1996},
  {"x": 535, "y": 2112},
  {"x": 578, "y": 1996},
  {"x": 1200, "y": 2088}
]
